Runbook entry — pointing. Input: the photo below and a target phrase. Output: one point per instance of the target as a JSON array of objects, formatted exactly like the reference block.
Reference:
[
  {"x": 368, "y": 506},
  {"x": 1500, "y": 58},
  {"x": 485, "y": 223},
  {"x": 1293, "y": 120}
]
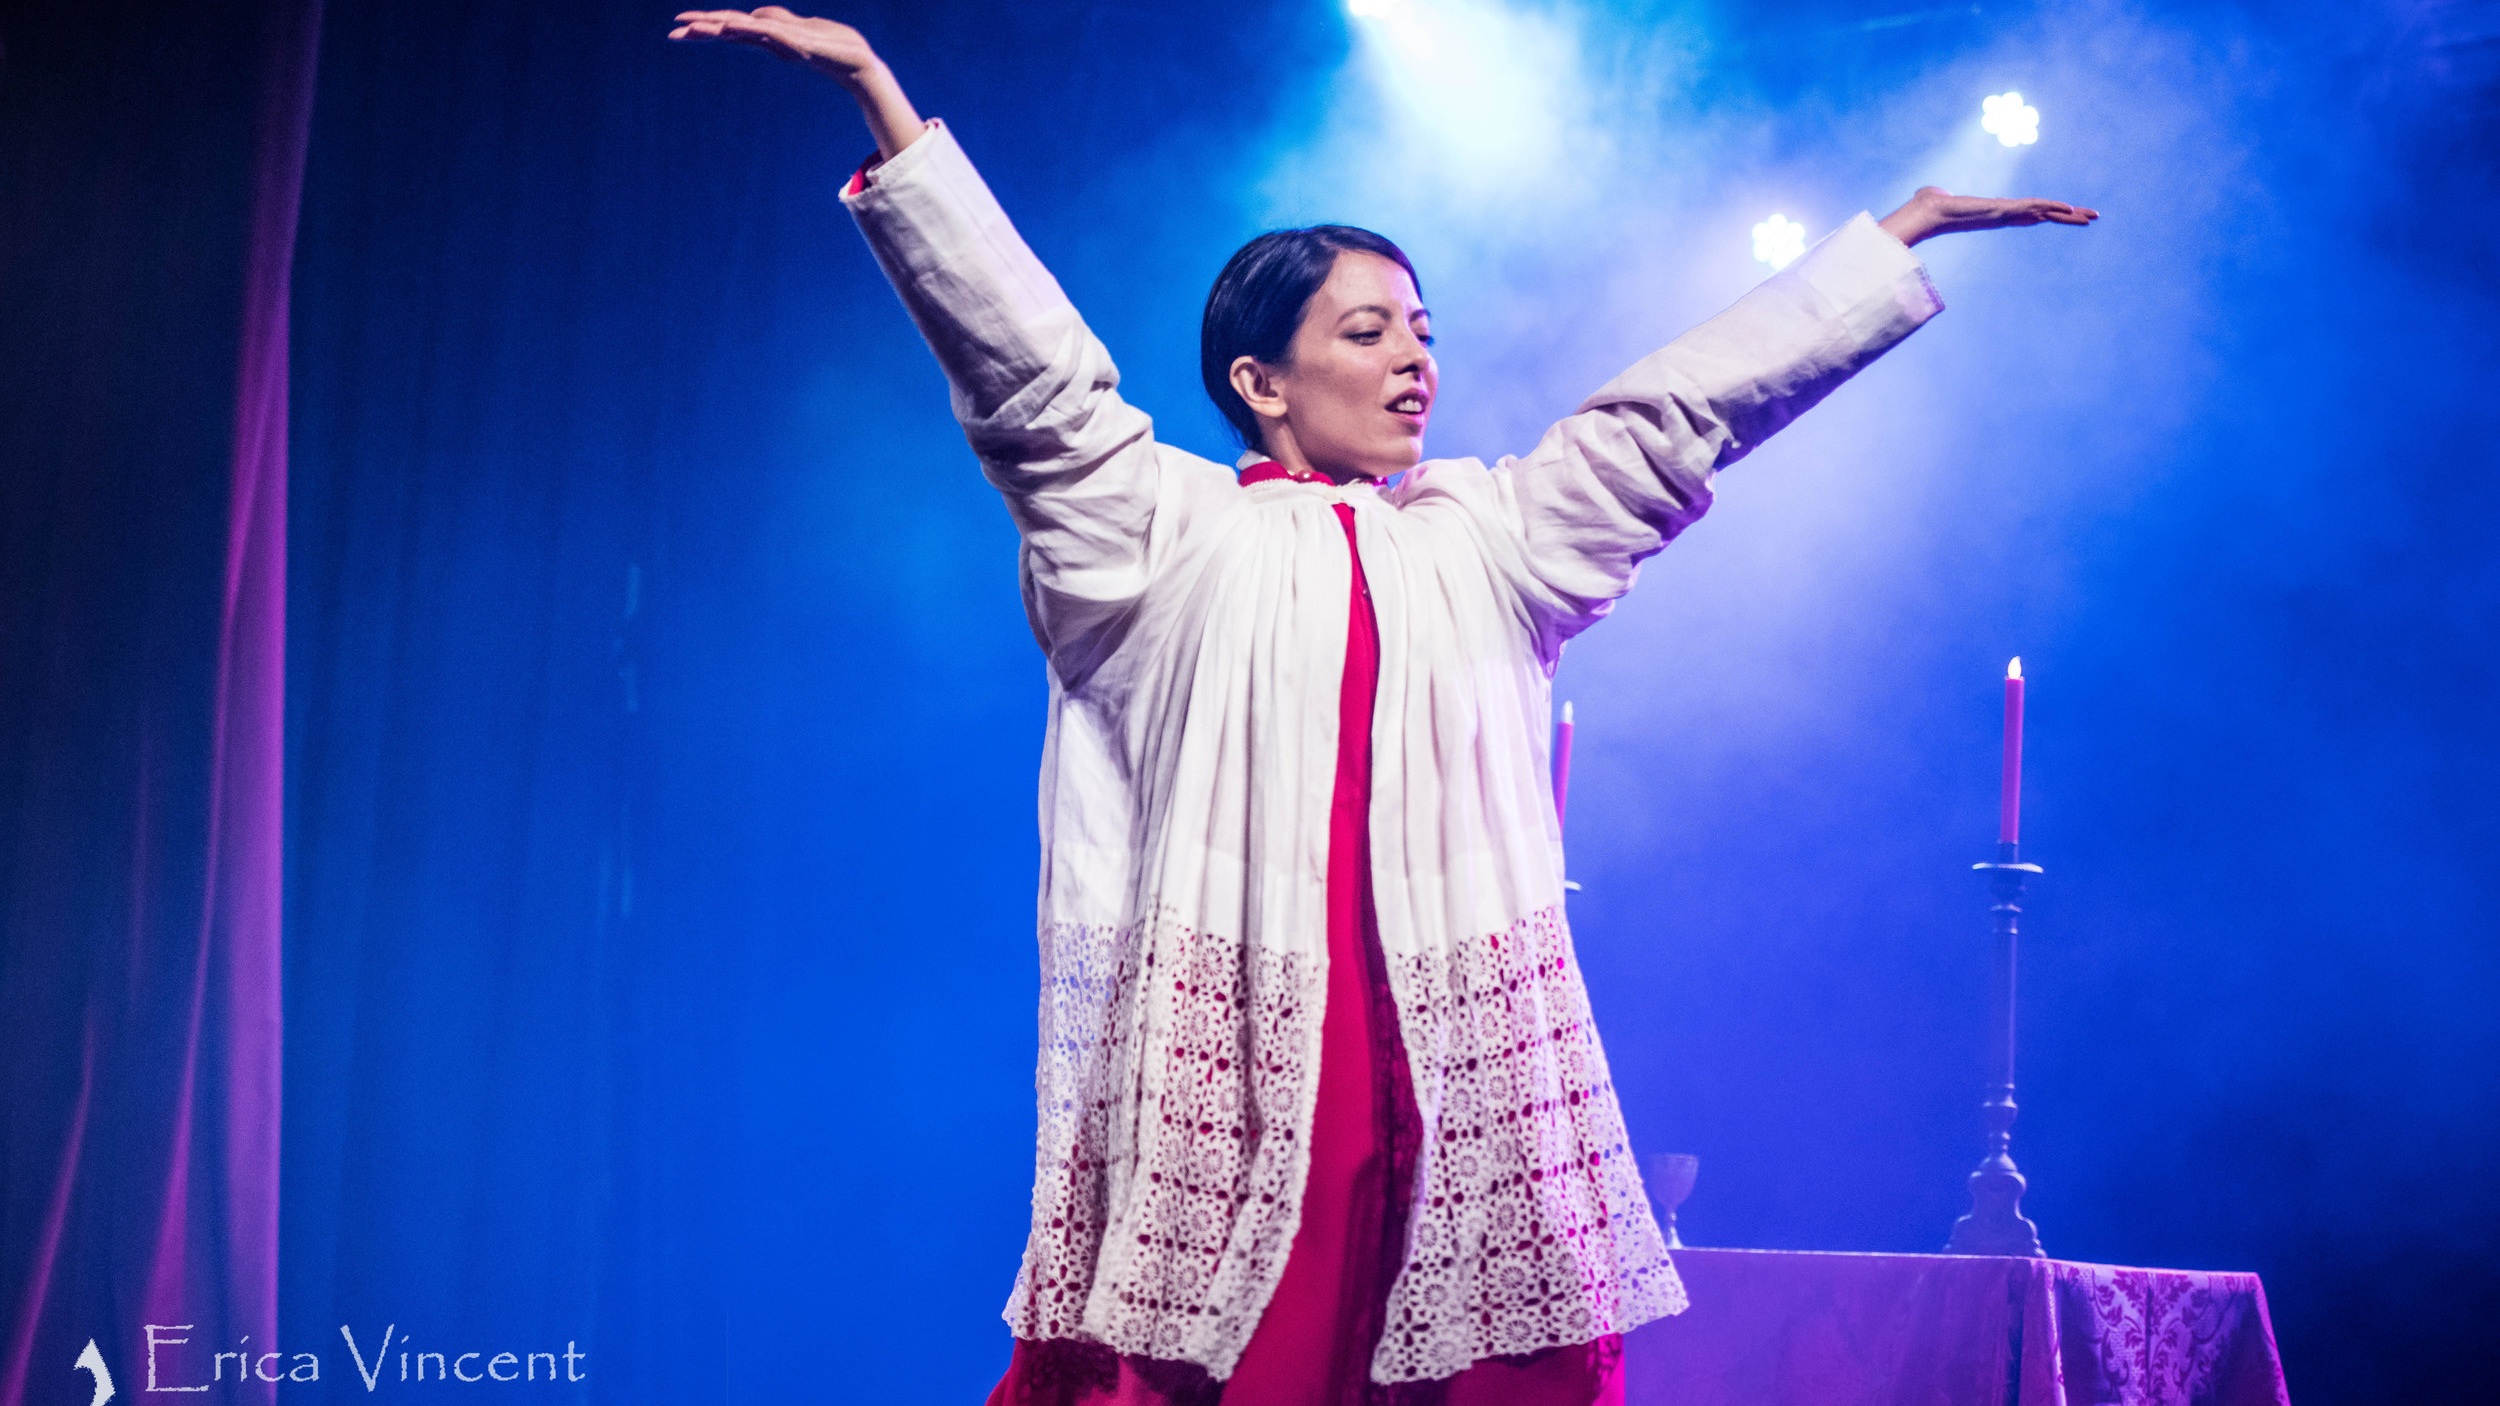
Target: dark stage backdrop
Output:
[
  {"x": 662, "y": 722},
  {"x": 509, "y": 1102}
]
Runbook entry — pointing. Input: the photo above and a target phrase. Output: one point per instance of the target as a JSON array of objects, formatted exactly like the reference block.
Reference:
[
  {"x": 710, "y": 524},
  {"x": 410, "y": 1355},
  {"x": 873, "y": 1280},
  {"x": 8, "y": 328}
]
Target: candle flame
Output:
[
  {"x": 2013, "y": 668},
  {"x": 1566, "y": 712}
]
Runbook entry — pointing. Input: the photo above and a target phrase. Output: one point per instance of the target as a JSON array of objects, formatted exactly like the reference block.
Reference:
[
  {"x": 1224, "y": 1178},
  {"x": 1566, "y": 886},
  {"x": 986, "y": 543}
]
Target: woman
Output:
[{"x": 1323, "y": 1118}]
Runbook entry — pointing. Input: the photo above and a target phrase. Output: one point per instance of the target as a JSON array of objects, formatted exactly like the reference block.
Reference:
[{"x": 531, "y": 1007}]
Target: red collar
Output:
[{"x": 1268, "y": 471}]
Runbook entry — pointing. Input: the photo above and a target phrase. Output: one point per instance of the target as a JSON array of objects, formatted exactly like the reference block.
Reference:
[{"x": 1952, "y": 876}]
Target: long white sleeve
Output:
[
  {"x": 1098, "y": 502},
  {"x": 1609, "y": 486}
]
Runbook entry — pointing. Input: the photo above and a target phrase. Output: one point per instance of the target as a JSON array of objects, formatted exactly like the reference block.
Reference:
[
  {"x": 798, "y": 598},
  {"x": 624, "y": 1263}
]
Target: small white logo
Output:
[{"x": 92, "y": 1363}]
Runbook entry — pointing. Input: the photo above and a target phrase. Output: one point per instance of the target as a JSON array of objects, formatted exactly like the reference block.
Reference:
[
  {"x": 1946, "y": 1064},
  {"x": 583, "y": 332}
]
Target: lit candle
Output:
[
  {"x": 2010, "y": 793},
  {"x": 1562, "y": 763}
]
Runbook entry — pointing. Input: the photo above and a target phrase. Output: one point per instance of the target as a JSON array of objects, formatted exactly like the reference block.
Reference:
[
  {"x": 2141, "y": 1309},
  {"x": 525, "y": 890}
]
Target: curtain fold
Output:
[{"x": 146, "y": 256}]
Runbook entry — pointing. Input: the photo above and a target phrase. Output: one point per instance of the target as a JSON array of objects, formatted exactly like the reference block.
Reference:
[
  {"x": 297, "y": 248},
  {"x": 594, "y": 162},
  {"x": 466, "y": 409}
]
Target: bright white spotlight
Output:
[
  {"x": 2011, "y": 121},
  {"x": 1488, "y": 83},
  {"x": 1778, "y": 241}
]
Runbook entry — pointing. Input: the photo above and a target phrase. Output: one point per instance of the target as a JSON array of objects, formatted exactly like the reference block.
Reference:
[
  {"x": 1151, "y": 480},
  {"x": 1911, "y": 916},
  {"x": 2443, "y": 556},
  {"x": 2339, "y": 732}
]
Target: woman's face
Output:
[{"x": 1359, "y": 381}]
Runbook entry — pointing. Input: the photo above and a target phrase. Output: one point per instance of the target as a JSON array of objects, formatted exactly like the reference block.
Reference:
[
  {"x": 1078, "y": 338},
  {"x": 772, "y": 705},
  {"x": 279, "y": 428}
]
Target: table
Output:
[{"x": 1776, "y": 1327}]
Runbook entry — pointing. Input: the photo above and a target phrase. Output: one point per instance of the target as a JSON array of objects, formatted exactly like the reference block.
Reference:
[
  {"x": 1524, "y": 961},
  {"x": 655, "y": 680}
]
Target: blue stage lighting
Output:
[
  {"x": 2009, "y": 119},
  {"x": 1778, "y": 241}
]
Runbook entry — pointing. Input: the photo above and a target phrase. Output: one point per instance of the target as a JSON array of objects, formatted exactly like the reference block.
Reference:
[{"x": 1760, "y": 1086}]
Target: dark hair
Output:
[{"x": 1257, "y": 302}]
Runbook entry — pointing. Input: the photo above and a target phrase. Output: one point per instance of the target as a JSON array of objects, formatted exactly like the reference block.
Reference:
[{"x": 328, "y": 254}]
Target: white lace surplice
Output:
[{"x": 1196, "y": 635}]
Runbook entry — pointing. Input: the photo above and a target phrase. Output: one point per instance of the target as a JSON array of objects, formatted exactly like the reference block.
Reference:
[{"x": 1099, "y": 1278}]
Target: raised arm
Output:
[
  {"x": 1609, "y": 486},
  {"x": 1099, "y": 503}
]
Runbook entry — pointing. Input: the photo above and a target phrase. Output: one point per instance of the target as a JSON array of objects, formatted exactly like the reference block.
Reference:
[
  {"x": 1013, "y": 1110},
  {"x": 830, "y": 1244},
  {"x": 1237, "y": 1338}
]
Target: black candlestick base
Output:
[{"x": 1996, "y": 1224}]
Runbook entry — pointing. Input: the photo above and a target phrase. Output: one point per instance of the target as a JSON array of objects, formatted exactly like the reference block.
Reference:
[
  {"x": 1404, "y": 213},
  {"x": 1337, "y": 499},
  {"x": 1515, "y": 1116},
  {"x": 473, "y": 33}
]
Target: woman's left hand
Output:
[{"x": 1935, "y": 211}]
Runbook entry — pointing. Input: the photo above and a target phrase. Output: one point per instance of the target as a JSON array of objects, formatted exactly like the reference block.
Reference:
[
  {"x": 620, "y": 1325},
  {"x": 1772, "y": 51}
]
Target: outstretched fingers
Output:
[
  {"x": 2054, "y": 212},
  {"x": 720, "y": 24},
  {"x": 2002, "y": 214},
  {"x": 705, "y": 24}
]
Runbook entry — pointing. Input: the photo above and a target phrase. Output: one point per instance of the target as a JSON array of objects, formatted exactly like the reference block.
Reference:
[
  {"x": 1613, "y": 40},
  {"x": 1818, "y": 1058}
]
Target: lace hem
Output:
[
  {"x": 1163, "y": 1234},
  {"x": 1531, "y": 1230},
  {"x": 1175, "y": 1091}
]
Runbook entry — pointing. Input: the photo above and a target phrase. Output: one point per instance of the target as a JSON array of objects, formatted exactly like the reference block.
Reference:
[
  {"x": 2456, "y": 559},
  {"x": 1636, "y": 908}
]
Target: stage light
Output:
[
  {"x": 1485, "y": 85},
  {"x": 2010, "y": 120},
  {"x": 1778, "y": 241}
]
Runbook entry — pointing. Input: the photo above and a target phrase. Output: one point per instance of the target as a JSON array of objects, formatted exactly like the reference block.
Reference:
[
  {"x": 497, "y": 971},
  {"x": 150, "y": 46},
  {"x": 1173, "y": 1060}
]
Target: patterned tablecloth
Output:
[{"x": 1782, "y": 1328}]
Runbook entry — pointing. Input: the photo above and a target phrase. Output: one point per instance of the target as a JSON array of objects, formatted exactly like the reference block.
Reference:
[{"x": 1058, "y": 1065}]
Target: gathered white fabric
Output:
[{"x": 1196, "y": 634}]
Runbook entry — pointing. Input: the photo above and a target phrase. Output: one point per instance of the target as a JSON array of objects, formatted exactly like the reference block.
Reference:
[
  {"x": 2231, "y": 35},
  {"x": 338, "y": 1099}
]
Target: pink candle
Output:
[
  {"x": 2010, "y": 792},
  {"x": 1562, "y": 763}
]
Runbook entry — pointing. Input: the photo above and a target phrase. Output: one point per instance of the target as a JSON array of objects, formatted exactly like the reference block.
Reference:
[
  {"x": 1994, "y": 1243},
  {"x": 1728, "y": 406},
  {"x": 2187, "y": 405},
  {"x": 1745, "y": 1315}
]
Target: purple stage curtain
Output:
[
  {"x": 1783, "y": 1328},
  {"x": 156, "y": 157}
]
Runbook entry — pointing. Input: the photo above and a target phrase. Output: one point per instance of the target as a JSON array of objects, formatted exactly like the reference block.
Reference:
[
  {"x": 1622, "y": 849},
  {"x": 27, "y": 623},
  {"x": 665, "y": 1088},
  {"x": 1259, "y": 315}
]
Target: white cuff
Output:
[{"x": 1861, "y": 259}]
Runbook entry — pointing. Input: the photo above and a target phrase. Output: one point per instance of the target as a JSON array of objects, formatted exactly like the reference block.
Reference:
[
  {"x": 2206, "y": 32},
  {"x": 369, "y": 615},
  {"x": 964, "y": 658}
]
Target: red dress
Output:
[{"x": 1313, "y": 1346}]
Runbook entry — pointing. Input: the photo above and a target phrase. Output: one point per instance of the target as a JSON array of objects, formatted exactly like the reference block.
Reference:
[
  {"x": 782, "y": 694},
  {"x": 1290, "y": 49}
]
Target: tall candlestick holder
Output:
[{"x": 1996, "y": 1224}]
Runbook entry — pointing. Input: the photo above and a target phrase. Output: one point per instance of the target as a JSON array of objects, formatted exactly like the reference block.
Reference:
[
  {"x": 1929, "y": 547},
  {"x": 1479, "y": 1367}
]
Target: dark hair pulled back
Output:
[{"x": 1257, "y": 303}]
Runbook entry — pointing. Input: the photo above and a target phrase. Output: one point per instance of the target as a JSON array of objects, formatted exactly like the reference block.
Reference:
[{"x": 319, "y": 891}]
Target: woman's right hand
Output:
[{"x": 835, "y": 50}]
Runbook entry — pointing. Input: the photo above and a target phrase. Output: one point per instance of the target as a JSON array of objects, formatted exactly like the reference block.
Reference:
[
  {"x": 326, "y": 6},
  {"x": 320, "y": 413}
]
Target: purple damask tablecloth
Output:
[{"x": 1784, "y": 1328}]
